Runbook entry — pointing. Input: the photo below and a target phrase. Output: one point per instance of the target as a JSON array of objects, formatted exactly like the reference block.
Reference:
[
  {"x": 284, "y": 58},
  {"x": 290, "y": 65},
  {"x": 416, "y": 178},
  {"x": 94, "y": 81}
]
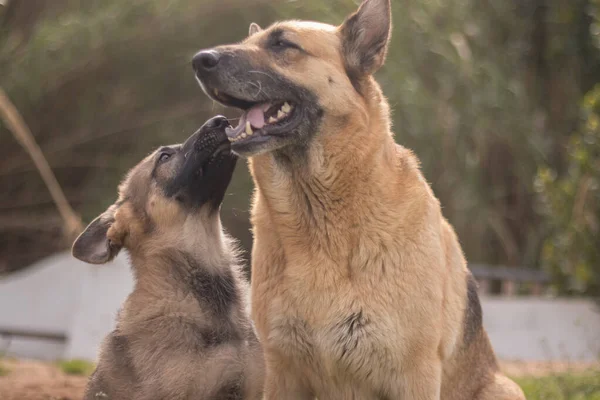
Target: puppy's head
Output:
[
  {"x": 176, "y": 188},
  {"x": 297, "y": 79}
]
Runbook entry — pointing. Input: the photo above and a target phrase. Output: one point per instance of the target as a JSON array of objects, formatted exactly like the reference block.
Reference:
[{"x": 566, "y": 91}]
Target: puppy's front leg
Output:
[{"x": 281, "y": 383}]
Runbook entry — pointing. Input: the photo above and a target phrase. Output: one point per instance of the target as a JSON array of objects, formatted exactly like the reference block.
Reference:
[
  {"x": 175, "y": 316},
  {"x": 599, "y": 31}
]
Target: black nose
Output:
[
  {"x": 218, "y": 122},
  {"x": 205, "y": 60}
]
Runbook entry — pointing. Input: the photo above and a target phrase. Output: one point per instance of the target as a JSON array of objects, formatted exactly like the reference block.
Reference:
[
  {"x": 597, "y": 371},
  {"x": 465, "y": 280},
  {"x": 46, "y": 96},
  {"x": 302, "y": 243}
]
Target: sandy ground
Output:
[{"x": 34, "y": 380}]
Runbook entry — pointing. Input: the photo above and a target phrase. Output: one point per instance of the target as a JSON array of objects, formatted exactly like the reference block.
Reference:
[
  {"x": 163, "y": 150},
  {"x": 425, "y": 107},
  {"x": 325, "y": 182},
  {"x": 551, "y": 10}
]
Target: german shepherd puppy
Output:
[
  {"x": 360, "y": 287},
  {"x": 185, "y": 331}
]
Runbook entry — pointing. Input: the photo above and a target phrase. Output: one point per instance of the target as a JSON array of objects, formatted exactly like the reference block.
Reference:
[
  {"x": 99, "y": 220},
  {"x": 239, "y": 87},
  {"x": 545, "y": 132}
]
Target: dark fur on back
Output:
[{"x": 473, "y": 315}]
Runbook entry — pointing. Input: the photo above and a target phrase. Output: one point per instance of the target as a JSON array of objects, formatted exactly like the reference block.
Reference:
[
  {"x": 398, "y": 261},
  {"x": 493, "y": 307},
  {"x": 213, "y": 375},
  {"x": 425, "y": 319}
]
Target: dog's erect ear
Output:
[
  {"x": 254, "y": 28},
  {"x": 365, "y": 37},
  {"x": 93, "y": 245}
]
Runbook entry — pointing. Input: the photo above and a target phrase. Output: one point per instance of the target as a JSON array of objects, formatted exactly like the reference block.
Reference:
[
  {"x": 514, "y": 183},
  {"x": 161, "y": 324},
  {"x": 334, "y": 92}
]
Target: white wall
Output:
[
  {"x": 543, "y": 329},
  {"x": 103, "y": 289},
  {"x": 63, "y": 295}
]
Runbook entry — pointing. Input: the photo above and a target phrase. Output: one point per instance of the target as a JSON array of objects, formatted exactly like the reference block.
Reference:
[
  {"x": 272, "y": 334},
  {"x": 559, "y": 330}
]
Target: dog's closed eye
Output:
[
  {"x": 282, "y": 44},
  {"x": 277, "y": 42}
]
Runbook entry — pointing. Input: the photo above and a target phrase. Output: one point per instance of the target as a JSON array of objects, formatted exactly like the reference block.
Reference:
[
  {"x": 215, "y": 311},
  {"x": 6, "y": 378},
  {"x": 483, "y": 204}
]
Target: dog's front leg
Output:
[
  {"x": 281, "y": 383},
  {"x": 422, "y": 381}
]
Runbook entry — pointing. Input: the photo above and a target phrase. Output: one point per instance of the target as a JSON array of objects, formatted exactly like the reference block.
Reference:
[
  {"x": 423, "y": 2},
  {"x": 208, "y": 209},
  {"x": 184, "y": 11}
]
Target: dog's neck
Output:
[
  {"x": 171, "y": 263},
  {"x": 174, "y": 283},
  {"x": 339, "y": 162},
  {"x": 324, "y": 188}
]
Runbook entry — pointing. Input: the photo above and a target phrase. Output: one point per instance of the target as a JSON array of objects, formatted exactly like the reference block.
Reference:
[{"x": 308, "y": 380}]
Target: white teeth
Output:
[
  {"x": 281, "y": 113},
  {"x": 216, "y": 92},
  {"x": 243, "y": 135},
  {"x": 248, "y": 129}
]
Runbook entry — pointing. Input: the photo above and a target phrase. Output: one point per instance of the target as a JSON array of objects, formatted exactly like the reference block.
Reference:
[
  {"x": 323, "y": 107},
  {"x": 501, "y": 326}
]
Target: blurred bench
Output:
[
  {"x": 509, "y": 281},
  {"x": 8, "y": 334},
  {"x": 24, "y": 342}
]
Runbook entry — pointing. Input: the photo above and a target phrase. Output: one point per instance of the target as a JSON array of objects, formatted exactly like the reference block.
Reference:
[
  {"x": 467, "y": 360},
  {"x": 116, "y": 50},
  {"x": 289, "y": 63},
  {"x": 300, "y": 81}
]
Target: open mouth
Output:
[{"x": 260, "y": 119}]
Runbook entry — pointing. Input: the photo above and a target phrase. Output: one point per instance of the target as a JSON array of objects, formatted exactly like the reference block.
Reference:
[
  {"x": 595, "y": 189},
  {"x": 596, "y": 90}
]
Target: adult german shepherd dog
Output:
[
  {"x": 359, "y": 286},
  {"x": 185, "y": 330}
]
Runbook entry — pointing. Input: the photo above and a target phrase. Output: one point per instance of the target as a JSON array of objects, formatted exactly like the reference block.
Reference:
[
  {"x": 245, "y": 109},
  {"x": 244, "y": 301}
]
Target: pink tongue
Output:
[{"x": 256, "y": 115}]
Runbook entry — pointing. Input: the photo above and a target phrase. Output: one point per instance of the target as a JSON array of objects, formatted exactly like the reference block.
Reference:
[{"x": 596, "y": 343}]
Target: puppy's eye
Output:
[{"x": 163, "y": 157}]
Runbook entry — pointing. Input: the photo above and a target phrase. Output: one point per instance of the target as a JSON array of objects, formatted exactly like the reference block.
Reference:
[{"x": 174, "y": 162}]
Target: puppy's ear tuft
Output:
[
  {"x": 365, "y": 37},
  {"x": 254, "y": 28},
  {"x": 93, "y": 245}
]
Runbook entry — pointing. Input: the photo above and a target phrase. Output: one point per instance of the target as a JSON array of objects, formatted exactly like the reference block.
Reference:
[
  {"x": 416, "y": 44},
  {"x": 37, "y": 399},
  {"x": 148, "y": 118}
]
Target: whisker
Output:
[
  {"x": 261, "y": 72},
  {"x": 259, "y": 87}
]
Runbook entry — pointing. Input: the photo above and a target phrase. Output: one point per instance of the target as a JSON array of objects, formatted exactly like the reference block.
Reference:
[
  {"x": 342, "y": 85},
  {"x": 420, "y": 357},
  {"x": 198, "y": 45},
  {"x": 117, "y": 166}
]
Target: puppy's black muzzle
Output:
[
  {"x": 208, "y": 166},
  {"x": 210, "y": 138}
]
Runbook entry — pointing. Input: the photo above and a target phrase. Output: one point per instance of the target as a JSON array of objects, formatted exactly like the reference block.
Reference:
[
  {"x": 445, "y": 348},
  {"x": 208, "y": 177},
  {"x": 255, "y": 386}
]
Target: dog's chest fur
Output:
[
  {"x": 338, "y": 340},
  {"x": 342, "y": 346},
  {"x": 337, "y": 322}
]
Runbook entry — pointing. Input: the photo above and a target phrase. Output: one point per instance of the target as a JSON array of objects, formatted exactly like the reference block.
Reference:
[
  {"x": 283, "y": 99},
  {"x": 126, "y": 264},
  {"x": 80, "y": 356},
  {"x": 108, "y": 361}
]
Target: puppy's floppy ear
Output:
[
  {"x": 93, "y": 245},
  {"x": 254, "y": 28},
  {"x": 365, "y": 37}
]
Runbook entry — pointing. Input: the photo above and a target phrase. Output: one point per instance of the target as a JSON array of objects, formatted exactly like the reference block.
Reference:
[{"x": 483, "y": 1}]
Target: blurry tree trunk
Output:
[
  {"x": 18, "y": 127},
  {"x": 21, "y": 16},
  {"x": 562, "y": 64}
]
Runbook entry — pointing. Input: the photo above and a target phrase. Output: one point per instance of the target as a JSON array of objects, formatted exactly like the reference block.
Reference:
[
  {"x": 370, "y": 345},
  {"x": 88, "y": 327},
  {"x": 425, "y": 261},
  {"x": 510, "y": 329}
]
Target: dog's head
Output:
[
  {"x": 297, "y": 79},
  {"x": 171, "y": 195}
]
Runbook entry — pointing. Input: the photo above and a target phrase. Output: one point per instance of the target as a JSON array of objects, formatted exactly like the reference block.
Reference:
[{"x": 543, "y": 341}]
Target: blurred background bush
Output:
[{"x": 496, "y": 97}]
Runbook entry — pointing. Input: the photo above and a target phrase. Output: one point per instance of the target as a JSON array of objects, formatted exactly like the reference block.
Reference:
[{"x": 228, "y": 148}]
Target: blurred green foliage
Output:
[
  {"x": 569, "y": 386},
  {"x": 3, "y": 370},
  {"x": 571, "y": 205},
  {"x": 484, "y": 92},
  {"x": 76, "y": 367}
]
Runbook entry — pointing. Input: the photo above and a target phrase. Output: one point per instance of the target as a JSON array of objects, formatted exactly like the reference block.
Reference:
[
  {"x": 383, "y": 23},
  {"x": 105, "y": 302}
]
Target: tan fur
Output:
[
  {"x": 359, "y": 284},
  {"x": 156, "y": 350}
]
